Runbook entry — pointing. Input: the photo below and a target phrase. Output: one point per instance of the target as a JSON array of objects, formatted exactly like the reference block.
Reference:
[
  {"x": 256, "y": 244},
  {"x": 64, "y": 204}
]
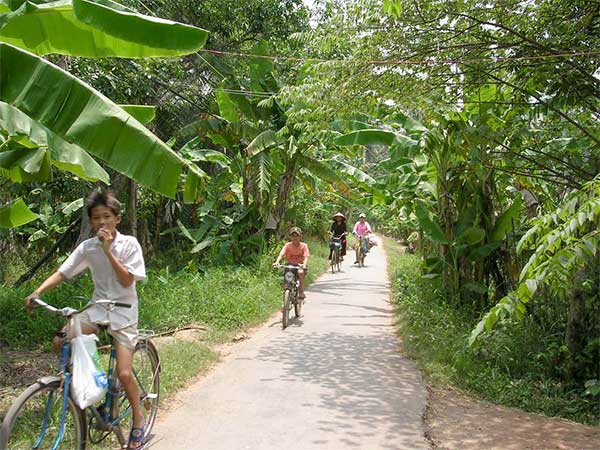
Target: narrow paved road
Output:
[{"x": 333, "y": 380}]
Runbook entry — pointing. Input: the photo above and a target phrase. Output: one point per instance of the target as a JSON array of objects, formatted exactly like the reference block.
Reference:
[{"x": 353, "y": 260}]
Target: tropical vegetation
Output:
[{"x": 470, "y": 127}]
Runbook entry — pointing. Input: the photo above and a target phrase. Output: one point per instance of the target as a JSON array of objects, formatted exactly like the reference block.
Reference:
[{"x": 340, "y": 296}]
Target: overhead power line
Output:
[{"x": 398, "y": 62}]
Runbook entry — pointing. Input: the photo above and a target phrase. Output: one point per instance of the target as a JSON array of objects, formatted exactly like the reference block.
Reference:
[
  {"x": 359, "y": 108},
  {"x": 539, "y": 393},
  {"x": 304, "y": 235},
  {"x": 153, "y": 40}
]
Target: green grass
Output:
[
  {"x": 225, "y": 300},
  {"x": 509, "y": 369},
  {"x": 183, "y": 361}
]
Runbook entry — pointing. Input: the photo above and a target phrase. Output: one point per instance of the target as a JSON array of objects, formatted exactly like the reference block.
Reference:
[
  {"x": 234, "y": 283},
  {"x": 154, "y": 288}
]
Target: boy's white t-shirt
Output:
[{"x": 89, "y": 254}]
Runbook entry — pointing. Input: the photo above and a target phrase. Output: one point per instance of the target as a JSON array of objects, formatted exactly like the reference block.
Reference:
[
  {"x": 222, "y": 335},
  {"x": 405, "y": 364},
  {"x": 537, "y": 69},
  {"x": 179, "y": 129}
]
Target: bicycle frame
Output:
[
  {"x": 364, "y": 244},
  {"x": 337, "y": 242},
  {"x": 65, "y": 353},
  {"x": 291, "y": 285},
  {"x": 105, "y": 421}
]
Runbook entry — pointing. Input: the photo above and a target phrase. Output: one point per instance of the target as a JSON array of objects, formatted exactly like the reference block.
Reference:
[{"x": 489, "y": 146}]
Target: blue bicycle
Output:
[{"x": 45, "y": 417}]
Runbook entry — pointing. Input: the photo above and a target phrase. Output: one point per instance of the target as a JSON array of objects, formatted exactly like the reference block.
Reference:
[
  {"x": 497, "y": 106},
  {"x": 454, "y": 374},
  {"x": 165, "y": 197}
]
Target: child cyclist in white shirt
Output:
[{"x": 116, "y": 262}]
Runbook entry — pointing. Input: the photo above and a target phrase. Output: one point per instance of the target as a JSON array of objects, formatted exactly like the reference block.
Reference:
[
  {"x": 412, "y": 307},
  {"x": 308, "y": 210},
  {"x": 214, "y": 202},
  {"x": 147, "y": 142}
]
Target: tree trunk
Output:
[
  {"x": 158, "y": 222},
  {"x": 47, "y": 256},
  {"x": 283, "y": 193},
  {"x": 131, "y": 209},
  {"x": 85, "y": 229},
  {"x": 575, "y": 336}
]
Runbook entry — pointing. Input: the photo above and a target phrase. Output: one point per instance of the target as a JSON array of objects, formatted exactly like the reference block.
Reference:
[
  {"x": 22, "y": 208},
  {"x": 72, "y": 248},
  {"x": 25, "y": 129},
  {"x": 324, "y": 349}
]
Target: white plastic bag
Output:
[{"x": 89, "y": 381}]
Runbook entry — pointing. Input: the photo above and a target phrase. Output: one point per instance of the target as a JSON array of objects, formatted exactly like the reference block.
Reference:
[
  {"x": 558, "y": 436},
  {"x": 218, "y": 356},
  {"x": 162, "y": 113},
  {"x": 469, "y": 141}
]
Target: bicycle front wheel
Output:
[
  {"x": 146, "y": 371},
  {"x": 34, "y": 420},
  {"x": 285, "y": 310},
  {"x": 297, "y": 305}
]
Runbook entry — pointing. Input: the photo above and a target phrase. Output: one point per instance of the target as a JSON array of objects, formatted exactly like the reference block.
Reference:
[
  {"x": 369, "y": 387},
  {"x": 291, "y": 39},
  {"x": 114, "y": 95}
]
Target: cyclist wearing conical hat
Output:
[{"x": 339, "y": 229}]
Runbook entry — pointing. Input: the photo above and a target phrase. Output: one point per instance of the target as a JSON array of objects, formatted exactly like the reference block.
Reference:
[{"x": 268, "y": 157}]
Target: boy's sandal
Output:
[{"x": 136, "y": 439}]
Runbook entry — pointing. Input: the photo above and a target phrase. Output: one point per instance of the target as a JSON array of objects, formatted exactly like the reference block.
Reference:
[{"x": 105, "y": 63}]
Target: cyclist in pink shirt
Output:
[{"x": 361, "y": 229}]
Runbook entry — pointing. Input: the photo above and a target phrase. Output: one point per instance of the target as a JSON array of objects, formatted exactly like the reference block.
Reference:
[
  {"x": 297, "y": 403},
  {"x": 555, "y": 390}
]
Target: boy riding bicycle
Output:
[
  {"x": 116, "y": 262},
  {"x": 296, "y": 252}
]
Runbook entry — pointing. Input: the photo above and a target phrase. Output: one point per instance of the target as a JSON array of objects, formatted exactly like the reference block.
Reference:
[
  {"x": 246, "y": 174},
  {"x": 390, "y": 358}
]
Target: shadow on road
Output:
[{"x": 365, "y": 380}]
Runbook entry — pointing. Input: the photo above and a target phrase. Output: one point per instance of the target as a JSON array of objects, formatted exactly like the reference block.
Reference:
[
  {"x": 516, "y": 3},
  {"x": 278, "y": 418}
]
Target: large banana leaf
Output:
[
  {"x": 262, "y": 142},
  {"x": 61, "y": 154},
  {"x": 429, "y": 225},
  {"x": 16, "y": 214},
  {"x": 99, "y": 28},
  {"x": 78, "y": 114},
  {"x": 325, "y": 173},
  {"x": 504, "y": 222},
  {"x": 142, "y": 113},
  {"x": 367, "y": 137}
]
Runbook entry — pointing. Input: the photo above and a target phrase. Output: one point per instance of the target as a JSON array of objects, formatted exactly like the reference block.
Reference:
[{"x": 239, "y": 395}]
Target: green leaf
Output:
[
  {"x": 227, "y": 107},
  {"x": 264, "y": 168},
  {"x": 429, "y": 225},
  {"x": 357, "y": 174},
  {"x": 185, "y": 231},
  {"x": 63, "y": 155},
  {"x": 367, "y": 137},
  {"x": 97, "y": 29},
  {"x": 16, "y": 214},
  {"x": 482, "y": 251},
  {"x": 471, "y": 236},
  {"x": 142, "y": 113},
  {"x": 262, "y": 142},
  {"x": 478, "y": 288},
  {"x": 531, "y": 285},
  {"x": 26, "y": 164},
  {"x": 433, "y": 265},
  {"x": 592, "y": 387},
  {"x": 477, "y": 331},
  {"x": 325, "y": 173},
  {"x": 75, "y": 205},
  {"x": 202, "y": 245},
  {"x": 76, "y": 113},
  {"x": 504, "y": 222}
]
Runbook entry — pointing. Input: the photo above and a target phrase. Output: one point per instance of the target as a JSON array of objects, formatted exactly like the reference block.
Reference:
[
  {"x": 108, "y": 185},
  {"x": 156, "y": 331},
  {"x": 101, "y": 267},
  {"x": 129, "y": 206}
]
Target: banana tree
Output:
[
  {"x": 429, "y": 178},
  {"x": 267, "y": 157},
  {"x": 94, "y": 29},
  {"x": 48, "y": 118}
]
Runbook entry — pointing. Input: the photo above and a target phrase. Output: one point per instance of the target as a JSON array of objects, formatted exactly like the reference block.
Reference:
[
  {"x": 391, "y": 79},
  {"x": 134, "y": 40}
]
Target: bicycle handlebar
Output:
[
  {"x": 67, "y": 311},
  {"x": 287, "y": 266}
]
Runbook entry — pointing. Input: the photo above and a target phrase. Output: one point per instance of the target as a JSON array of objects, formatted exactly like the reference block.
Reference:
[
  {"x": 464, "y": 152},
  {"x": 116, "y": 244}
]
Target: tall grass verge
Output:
[
  {"x": 512, "y": 369},
  {"x": 225, "y": 300}
]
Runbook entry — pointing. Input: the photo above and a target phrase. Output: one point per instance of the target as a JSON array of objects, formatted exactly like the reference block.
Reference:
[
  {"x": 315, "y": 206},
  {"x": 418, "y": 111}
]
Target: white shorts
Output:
[{"x": 127, "y": 336}]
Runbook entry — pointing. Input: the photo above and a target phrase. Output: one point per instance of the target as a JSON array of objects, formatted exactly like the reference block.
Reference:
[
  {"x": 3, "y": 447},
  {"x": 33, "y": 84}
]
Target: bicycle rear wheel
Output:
[
  {"x": 297, "y": 305},
  {"x": 285, "y": 310},
  {"x": 146, "y": 371},
  {"x": 35, "y": 418}
]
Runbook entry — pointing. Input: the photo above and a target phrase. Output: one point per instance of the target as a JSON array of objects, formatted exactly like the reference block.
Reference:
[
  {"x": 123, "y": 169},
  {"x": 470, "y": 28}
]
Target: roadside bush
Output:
[
  {"x": 222, "y": 298},
  {"x": 516, "y": 366}
]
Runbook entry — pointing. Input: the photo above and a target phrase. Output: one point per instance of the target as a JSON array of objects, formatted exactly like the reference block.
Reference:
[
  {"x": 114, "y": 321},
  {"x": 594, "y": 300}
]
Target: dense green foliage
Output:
[
  {"x": 469, "y": 127},
  {"x": 517, "y": 367},
  {"x": 224, "y": 299}
]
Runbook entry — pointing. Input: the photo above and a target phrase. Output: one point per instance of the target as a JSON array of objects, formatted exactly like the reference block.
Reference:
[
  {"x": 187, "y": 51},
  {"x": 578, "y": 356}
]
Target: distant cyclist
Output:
[
  {"x": 339, "y": 229},
  {"x": 361, "y": 229}
]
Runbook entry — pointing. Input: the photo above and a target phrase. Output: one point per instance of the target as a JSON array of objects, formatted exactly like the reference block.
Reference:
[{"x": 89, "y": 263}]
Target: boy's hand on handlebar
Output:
[{"x": 29, "y": 301}]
